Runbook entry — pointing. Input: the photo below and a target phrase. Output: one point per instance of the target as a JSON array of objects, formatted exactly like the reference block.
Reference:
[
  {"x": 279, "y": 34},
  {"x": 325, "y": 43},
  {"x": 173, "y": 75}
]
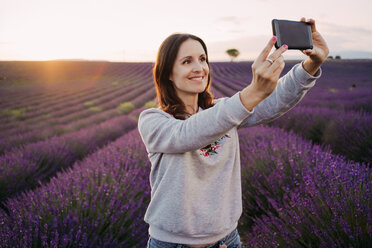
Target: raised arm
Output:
[
  {"x": 319, "y": 53},
  {"x": 162, "y": 133},
  {"x": 291, "y": 88},
  {"x": 270, "y": 97}
]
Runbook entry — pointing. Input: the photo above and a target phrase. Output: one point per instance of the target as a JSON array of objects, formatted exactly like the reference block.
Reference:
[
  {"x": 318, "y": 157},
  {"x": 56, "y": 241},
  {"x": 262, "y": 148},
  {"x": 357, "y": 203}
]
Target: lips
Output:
[{"x": 197, "y": 78}]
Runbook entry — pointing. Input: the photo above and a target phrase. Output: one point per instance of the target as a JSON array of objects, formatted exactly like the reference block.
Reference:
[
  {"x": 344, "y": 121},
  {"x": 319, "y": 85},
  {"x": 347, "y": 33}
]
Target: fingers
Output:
[
  {"x": 312, "y": 23},
  {"x": 277, "y": 66},
  {"x": 307, "y": 52},
  {"x": 265, "y": 52},
  {"x": 261, "y": 64},
  {"x": 278, "y": 52}
]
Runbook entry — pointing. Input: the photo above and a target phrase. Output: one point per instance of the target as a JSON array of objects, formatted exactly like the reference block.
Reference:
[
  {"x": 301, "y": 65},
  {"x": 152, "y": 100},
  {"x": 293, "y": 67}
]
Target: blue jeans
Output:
[{"x": 232, "y": 240}]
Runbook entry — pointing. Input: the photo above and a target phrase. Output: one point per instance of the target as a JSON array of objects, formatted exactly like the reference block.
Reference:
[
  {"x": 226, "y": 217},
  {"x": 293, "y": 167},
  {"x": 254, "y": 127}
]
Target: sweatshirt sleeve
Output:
[
  {"x": 164, "y": 134},
  {"x": 290, "y": 89}
]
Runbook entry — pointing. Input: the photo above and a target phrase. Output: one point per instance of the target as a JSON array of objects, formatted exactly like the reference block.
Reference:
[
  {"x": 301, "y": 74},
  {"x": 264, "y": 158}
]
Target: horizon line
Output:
[{"x": 118, "y": 61}]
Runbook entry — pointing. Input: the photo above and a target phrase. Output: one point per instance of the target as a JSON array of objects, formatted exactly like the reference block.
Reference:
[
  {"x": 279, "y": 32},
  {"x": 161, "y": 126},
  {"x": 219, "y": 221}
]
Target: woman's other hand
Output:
[
  {"x": 266, "y": 70},
  {"x": 320, "y": 51}
]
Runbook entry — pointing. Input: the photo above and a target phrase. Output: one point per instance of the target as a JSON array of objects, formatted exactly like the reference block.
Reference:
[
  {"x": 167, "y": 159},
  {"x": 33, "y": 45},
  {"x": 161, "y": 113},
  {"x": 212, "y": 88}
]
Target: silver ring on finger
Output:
[{"x": 270, "y": 60}]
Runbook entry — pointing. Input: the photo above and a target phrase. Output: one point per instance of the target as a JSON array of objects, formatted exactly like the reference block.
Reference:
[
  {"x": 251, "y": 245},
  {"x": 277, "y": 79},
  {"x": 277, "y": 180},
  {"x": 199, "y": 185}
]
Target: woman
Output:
[{"x": 192, "y": 140}]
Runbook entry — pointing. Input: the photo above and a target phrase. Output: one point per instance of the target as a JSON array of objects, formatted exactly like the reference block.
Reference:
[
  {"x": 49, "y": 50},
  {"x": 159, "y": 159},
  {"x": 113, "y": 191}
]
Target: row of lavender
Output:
[
  {"x": 344, "y": 85},
  {"x": 61, "y": 104},
  {"x": 38, "y": 91},
  {"x": 294, "y": 195},
  {"x": 98, "y": 91},
  {"x": 347, "y": 133},
  {"x": 97, "y": 203},
  {"x": 37, "y": 155},
  {"x": 301, "y": 195},
  {"x": 69, "y": 112},
  {"x": 25, "y": 167},
  {"x": 34, "y": 150},
  {"x": 337, "y": 111},
  {"x": 47, "y": 80},
  {"x": 74, "y": 121}
]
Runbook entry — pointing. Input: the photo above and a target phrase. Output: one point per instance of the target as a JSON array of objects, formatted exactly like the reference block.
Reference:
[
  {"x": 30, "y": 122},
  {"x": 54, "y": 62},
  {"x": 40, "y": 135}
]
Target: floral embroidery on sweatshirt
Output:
[{"x": 211, "y": 148}]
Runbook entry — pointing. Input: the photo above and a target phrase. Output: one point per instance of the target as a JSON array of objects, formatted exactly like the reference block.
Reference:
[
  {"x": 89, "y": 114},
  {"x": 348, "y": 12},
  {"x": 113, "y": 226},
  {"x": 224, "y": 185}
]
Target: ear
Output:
[{"x": 171, "y": 77}]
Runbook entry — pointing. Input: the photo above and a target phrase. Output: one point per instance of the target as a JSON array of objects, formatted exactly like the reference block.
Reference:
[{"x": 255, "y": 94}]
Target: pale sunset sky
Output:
[{"x": 130, "y": 30}]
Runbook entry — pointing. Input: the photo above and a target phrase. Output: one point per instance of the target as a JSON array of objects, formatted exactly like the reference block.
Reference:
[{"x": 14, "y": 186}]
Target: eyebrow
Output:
[{"x": 188, "y": 57}]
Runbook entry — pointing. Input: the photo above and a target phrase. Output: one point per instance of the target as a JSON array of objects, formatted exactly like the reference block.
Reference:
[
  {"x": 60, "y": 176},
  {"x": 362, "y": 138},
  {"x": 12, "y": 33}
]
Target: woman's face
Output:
[{"x": 190, "y": 70}]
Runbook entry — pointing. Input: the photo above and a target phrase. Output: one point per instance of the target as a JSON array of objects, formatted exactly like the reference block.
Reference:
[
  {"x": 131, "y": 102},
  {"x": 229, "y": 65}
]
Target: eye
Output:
[
  {"x": 186, "y": 61},
  {"x": 203, "y": 59}
]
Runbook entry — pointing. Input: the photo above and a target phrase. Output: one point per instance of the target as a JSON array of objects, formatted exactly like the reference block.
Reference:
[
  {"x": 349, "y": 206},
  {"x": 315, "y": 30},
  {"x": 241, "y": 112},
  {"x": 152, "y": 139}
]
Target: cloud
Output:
[
  {"x": 333, "y": 28},
  {"x": 237, "y": 31},
  {"x": 229, "y": 19},
  {"x": 249, "y": 47},
  {"x": 231, "y": 26},
  {"x": 341, "y": 37}
]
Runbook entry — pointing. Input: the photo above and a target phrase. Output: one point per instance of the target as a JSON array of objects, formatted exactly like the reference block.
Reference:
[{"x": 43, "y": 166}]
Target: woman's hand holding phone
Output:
[
  {"x": 266, "y": 70},
  {"x": 319, "y": 53}
]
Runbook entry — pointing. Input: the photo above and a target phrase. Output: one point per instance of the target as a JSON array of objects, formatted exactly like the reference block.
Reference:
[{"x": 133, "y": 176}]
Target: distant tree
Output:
[
  {"x": 338, "y": 57},
  {"x": 330, "y": 57},
  {"x": 233, "y": 53}
]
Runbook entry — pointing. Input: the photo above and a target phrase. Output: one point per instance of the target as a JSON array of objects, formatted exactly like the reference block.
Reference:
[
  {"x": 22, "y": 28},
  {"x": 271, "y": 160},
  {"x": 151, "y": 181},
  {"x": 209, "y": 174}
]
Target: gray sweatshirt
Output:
[{"x": 195, "y": 178}]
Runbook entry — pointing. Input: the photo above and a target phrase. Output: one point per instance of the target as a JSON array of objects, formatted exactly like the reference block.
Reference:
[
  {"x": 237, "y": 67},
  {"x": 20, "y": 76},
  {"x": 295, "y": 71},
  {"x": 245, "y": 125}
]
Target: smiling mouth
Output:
[{"x": 196, "y": 78}]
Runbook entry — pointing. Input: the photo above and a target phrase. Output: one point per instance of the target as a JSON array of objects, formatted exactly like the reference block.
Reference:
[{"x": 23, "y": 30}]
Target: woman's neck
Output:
[
  {"x": 191, "y": 103},
  {"x": 191, "y": 110}
]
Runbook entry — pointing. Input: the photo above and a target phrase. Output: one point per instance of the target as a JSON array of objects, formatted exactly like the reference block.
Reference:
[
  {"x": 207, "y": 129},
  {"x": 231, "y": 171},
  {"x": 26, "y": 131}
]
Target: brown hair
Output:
[{"x": 165, "y": 91}]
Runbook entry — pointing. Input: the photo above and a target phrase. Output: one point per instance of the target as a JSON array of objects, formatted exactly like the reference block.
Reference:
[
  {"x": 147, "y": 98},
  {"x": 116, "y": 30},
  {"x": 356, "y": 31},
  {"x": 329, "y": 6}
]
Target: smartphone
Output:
[{"x": 297, "y": 35}]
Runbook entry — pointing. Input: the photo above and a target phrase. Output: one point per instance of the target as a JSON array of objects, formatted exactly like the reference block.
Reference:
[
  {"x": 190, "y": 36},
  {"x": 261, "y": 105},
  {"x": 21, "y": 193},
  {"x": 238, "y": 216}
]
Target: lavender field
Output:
[{"x": 75, "y": 173}]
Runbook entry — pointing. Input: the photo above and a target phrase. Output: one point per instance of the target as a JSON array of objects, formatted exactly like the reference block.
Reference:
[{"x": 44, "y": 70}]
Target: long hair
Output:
[{"x": 165, "y": 90}]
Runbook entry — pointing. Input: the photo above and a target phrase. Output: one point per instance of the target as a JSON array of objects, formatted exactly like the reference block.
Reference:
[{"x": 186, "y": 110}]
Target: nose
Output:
[{"x": 197, "y": 67}]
